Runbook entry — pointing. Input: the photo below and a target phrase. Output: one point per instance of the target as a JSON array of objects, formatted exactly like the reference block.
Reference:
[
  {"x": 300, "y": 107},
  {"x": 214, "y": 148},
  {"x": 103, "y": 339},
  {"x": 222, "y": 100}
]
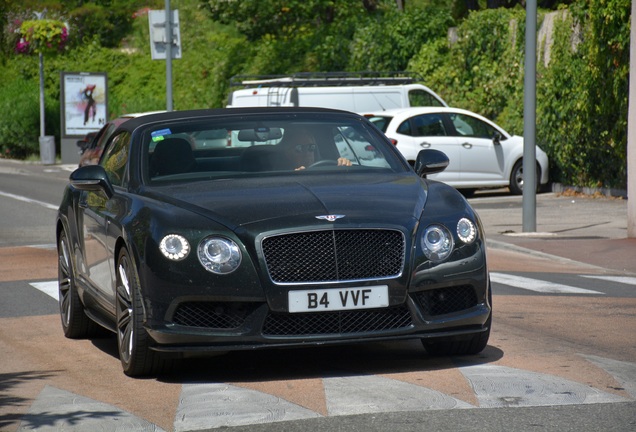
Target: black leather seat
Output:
[
  {"x": 172, "y": 156},
  {"x": 259, "y": 158}
]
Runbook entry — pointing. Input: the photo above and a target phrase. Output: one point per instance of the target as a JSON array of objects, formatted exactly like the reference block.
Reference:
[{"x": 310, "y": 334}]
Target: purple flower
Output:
[{"x": 22, "y": 47}]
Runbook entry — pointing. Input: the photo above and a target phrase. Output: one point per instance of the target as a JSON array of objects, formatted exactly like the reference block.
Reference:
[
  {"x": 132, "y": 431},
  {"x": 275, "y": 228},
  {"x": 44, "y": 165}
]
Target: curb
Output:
[{"x": 561, "y": 189}]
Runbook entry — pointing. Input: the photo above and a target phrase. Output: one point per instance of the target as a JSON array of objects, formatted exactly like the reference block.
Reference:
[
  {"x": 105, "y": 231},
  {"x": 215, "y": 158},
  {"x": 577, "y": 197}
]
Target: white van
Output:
[{"x": 357, "y": 92}]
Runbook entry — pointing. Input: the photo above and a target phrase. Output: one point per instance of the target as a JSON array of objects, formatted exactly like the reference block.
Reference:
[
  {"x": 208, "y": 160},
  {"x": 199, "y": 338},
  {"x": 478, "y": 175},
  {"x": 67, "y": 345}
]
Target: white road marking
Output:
[
  {"x": 204, "y": 406},
  {"x": 628, "y": 280},
  {"x": 218, "y": 405},
  {"x": 501, "y": 386},
  {"x": 49, "y": 288},
  {"x": 538, "y": 285},
  {"x": 29, "y": 200},
  {"x": 60, "y": 410},
  {"x": 371, "y": 394},
  {"x": 623, "y": 372}
]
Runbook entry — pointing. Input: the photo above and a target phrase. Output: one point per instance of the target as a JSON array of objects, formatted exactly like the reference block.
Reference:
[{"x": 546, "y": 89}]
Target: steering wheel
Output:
[{"x": 323, "y": 162}]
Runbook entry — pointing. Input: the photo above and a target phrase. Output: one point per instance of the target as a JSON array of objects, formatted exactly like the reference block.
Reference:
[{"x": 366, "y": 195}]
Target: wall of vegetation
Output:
[{"x": 581, "y": 86}]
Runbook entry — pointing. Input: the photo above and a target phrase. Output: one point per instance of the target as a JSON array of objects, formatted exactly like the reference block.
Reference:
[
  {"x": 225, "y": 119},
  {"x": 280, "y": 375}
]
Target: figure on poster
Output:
[{"x": 87, "y": 95}]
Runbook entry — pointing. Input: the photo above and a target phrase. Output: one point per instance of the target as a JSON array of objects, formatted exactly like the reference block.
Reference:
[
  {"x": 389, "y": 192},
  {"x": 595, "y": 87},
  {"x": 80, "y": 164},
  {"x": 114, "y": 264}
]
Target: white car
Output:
[{"x": 481, "y": 154}]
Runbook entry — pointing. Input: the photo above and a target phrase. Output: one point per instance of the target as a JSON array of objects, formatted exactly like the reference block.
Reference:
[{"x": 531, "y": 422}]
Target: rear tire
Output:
[
  {"x": 75, "y": 323},
  {"x": 516, "y": 178},
  {"x": 133, "y": 342}
]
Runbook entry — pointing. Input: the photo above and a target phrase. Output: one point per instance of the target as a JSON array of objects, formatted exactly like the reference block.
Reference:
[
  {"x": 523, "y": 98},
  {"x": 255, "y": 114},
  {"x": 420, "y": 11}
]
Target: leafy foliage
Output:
[
  {"x": 20, "y": 122},
  {"x": 582, "y": 110},
  {"x": 389, "y": 41},
  {"x": 257, "y": 19},
  {"x": 581, "y": 94},
  {"x": 42, "y": 36}
]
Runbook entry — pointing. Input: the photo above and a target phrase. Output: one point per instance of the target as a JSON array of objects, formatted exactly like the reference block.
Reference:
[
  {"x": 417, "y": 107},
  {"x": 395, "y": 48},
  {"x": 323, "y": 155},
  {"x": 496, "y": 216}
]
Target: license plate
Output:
[{"x": 338, "y": 299}]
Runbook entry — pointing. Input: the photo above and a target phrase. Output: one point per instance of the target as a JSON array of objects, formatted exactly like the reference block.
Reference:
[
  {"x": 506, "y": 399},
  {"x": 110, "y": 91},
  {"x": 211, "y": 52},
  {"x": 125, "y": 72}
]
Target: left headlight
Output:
[
  {"x": 437, "y": 243},
  {"x": 466, "y": 230},
  {"x": 219, "y": 255},
  {"x": 174, "y": 247}
]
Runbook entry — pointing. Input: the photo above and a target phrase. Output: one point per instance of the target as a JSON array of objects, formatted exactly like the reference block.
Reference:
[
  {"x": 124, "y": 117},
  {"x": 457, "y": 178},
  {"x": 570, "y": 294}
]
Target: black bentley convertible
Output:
[{"x": 235, "y": 229}]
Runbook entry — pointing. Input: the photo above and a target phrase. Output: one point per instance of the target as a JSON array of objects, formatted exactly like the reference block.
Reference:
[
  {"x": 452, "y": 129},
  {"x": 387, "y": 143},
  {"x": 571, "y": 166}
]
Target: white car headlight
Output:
[
  {"x": 437, "y": 243},
  {"x": 174, "y": 247},
  {"x": 466, "y": 230},
  {"x": 219, "y": 255}
]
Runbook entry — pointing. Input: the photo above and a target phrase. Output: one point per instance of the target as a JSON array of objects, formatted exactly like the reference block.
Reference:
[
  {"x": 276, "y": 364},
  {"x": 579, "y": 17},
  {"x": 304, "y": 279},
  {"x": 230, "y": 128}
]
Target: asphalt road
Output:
[{"x": 561, "y": 355}]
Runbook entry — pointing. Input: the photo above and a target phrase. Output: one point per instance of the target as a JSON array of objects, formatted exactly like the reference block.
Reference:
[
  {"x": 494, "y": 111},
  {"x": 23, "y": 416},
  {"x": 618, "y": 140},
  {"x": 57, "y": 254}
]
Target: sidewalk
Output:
[{"x": 582, "y": 228}]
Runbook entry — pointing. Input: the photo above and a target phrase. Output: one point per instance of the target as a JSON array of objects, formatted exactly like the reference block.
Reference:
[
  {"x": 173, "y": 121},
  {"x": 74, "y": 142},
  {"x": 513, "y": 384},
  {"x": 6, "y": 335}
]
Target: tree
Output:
[{"x": 257, "y": 18}]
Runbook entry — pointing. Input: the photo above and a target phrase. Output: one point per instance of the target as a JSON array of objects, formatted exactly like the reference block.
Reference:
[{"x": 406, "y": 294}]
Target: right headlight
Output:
[{"x": 437, "y": 243}]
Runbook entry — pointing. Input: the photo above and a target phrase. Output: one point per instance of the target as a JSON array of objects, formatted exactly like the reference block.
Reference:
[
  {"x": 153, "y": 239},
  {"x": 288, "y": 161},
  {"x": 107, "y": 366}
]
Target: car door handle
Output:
[
  {"x": 425, "y": 145},
  {"x": 467, "y": 145}
]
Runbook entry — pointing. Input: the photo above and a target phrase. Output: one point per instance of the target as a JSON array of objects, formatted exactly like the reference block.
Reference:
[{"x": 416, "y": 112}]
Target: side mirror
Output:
[
  {"x": 85, "y": 142},
  {"x": 92, "y": 178},
  {"x": 496, "y": 137},
  {"x": 430, "y": 161}
]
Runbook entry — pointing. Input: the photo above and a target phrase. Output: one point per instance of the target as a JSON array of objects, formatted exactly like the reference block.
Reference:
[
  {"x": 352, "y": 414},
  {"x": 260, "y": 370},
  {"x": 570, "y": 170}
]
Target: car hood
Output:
[{"x": 283, "y": 202}]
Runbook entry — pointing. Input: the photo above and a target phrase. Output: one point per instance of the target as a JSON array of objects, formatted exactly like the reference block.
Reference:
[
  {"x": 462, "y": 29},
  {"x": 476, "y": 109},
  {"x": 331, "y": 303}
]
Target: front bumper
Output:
[{"x": 455, "y": 311}]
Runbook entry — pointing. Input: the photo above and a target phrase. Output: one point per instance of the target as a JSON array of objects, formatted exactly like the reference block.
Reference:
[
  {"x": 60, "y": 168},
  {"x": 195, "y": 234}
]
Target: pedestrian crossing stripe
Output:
[
  {"x": 628, "y": 280},
  {"x": 538, "y": 285},
  {"x": 49, "y": 288}
]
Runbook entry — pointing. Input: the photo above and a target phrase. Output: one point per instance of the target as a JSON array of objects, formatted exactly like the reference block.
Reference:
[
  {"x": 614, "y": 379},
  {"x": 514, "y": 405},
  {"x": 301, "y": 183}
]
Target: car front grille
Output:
[
  {"x": 215, "y": 315},
  {"x": 334, "y": 255},
  {"x": 447, "y": 300},
  {"x": 337, "y": 323}
]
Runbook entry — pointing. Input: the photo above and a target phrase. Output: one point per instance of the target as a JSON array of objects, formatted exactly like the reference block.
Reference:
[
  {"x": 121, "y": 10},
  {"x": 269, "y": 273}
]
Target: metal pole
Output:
[
  {"x": 529, "y": 121},
  {"x": 168, "y": 57},
  {"x": 631, "y": 132},
  {"x": 42, "y": 128}
]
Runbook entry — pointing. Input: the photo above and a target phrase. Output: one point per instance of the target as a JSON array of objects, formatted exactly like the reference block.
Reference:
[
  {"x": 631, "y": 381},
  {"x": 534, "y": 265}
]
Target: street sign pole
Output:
[
  {"x": 529, "y": 201},
  {"x": 165, "y": 42},
  {"x": 168, "y": 57}
]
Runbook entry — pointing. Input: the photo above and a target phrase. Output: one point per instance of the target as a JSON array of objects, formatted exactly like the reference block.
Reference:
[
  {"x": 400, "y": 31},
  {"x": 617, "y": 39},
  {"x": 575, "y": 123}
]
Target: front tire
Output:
[
  {"x": 75, "y": 323},
  {"x": 133, "y": 342}
]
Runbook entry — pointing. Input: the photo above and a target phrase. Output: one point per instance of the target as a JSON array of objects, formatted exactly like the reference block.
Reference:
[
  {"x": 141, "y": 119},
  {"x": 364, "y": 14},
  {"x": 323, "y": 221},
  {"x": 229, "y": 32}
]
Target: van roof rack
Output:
[{"x": 324, "y": 79}]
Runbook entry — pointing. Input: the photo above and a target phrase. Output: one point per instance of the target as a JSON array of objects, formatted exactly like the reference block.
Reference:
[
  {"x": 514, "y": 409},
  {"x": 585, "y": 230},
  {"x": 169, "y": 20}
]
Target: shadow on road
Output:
[{"x": 319, "y": 362}]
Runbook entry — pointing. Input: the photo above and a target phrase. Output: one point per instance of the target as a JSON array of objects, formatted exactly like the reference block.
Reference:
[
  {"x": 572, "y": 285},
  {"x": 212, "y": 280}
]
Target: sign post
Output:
[{"x": 165, "y": 42}]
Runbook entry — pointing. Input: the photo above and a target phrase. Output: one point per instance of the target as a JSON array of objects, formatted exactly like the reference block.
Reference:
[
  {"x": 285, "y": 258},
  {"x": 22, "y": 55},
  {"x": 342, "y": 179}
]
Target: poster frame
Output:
[{"x": 71, "y": 102}]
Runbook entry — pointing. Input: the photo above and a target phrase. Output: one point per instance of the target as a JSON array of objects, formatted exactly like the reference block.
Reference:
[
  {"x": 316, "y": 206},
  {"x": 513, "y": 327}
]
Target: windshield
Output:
[{"x": 222, "y": 147}]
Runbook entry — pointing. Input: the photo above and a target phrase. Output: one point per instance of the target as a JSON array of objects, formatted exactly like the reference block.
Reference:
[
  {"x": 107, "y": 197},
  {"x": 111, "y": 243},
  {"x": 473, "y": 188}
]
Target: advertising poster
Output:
[{"x": 84, "y": 103}]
